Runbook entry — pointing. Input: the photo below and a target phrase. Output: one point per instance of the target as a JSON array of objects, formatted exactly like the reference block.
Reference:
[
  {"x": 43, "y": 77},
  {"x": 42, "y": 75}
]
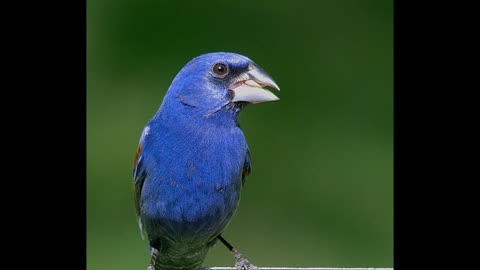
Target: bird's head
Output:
[{"x": 216, "y": 82}]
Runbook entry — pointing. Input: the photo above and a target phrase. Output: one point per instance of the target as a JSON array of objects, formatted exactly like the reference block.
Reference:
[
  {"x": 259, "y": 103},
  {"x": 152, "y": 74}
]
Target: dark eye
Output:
[{"x": 220, "y": 69}]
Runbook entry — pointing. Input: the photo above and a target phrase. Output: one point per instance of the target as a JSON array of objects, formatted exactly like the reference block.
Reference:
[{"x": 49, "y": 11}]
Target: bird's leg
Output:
[
  {"x": 154, "y": 254},
  {"x": 241, "y": 263}
]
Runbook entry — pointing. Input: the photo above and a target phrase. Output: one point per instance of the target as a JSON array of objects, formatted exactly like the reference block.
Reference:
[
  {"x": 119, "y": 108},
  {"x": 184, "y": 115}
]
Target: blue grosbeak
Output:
[{"x": 193, "y": 159}]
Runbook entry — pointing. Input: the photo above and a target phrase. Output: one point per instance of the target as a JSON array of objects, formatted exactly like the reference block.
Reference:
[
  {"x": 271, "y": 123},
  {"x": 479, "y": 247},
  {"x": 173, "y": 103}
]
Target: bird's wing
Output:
[
  {"x": 139, "y": 175},
  {"x": 247, "y": 167}
]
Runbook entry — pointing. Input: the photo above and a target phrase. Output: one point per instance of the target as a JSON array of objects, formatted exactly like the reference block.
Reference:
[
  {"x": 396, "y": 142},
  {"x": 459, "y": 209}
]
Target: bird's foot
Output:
[
  {"x": 154, "y": 254},
  {"x": 242, "y": 263}
]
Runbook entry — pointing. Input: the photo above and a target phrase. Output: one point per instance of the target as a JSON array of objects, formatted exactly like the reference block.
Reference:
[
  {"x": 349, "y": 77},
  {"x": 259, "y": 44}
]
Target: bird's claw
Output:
[{"x": 242, "y": 263}]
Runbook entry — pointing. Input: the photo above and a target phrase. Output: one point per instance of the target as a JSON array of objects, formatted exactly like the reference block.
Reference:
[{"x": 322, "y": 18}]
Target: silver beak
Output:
[{"x": 249, "y": 85}]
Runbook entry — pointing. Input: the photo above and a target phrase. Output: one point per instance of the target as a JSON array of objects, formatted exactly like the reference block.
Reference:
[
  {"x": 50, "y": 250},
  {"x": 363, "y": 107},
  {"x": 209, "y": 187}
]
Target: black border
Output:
[
  {"x": 426, "y": 129},
  {"x": 47, "y": 137}
]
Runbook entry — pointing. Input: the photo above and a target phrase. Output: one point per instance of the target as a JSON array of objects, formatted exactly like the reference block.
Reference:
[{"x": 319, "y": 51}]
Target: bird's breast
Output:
[{"x": 194, "y": 185}]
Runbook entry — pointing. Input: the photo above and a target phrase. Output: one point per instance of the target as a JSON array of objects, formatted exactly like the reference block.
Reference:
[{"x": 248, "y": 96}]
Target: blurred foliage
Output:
[{"x": 321, "y": 188}]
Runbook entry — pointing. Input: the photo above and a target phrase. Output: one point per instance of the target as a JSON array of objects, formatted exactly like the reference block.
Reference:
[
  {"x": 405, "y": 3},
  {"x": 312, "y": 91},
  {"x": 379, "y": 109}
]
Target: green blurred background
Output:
[{"x": 321, "y": 188}]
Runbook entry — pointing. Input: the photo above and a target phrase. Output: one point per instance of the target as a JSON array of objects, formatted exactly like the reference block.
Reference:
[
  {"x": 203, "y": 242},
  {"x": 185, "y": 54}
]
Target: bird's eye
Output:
[{"x": 220, "y": 69}]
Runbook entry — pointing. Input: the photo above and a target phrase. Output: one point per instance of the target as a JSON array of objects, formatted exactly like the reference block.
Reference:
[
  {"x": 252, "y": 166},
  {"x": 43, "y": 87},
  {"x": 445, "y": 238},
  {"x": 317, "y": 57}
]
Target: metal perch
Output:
[{"x": 298, "y": 268}]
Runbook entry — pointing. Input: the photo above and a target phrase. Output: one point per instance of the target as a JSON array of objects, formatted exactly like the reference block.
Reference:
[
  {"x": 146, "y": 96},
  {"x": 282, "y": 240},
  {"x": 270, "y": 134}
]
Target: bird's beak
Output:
[{"x": 248, "y": 86}]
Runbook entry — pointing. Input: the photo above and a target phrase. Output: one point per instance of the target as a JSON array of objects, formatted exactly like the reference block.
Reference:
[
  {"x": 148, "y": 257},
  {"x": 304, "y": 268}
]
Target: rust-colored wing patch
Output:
[
  {"x": 139, "y": 176},
  {"x": 137, "y": 155}
]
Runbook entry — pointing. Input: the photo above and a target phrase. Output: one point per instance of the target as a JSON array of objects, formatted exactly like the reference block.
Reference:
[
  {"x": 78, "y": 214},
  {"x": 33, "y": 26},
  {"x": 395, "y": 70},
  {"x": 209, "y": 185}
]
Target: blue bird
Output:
[{"x": 192, "y": 159}]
